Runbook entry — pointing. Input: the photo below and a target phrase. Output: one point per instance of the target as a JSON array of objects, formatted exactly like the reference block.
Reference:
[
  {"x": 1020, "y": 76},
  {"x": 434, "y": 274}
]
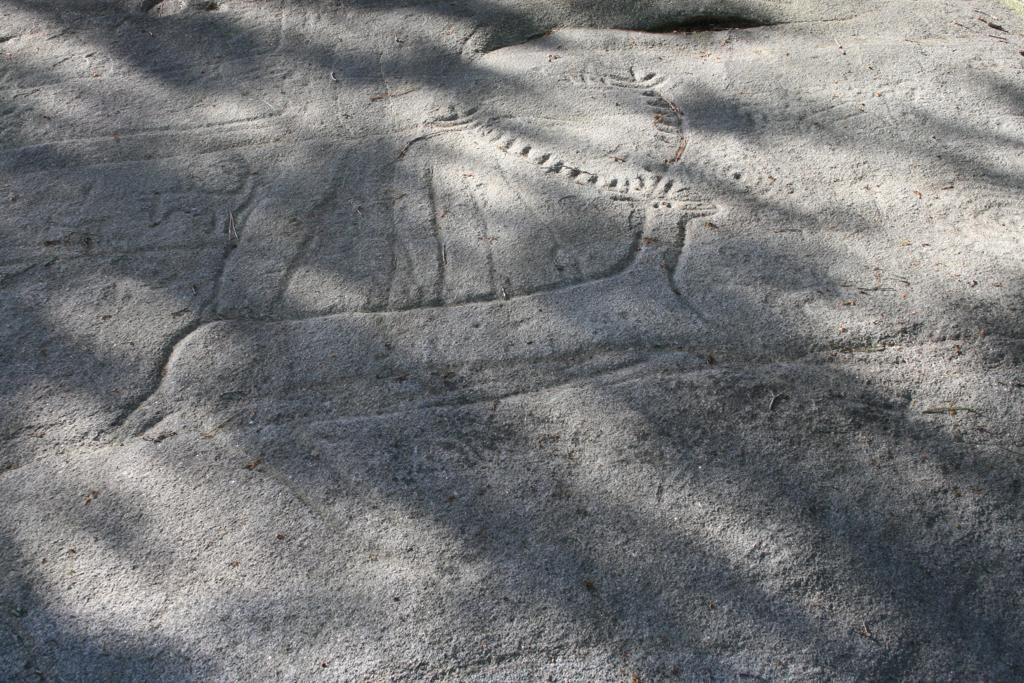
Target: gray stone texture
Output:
[{"x": 511, "y": 340}]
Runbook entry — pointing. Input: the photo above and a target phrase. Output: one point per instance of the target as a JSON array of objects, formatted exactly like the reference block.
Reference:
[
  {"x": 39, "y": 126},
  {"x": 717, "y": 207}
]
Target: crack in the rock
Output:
[
  {"x": 693, "y": 24},
  {"x": 148, "y": 6},
  {"x": 206, "y": 315},
  {"x": 701, "y": 23},
  {"x": 167, "y": 354},
  {"x": 706, "y": 23}
]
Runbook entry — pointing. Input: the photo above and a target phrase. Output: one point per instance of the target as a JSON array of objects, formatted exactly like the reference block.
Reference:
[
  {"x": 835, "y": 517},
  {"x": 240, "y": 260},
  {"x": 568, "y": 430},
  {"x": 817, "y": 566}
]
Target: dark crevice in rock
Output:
[
  {"x": 177, "y": 6},
  {"x": 700, "y": 24},
  {"x": 497, "y": 39},
  {"x": 495, "y": 42}
]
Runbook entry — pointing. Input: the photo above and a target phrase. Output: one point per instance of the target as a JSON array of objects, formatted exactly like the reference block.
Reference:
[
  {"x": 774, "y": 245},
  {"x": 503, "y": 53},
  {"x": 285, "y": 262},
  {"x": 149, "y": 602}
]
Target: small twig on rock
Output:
[
  {"x": 950, "y": 410},
  {"x": 775, "y": 399},
  {"x": 391, "y": 96}
]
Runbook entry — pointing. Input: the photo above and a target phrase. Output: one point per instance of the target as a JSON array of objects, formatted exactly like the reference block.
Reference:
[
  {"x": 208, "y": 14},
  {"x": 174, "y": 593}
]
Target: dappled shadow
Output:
[{"x": 729, "y": 480}]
